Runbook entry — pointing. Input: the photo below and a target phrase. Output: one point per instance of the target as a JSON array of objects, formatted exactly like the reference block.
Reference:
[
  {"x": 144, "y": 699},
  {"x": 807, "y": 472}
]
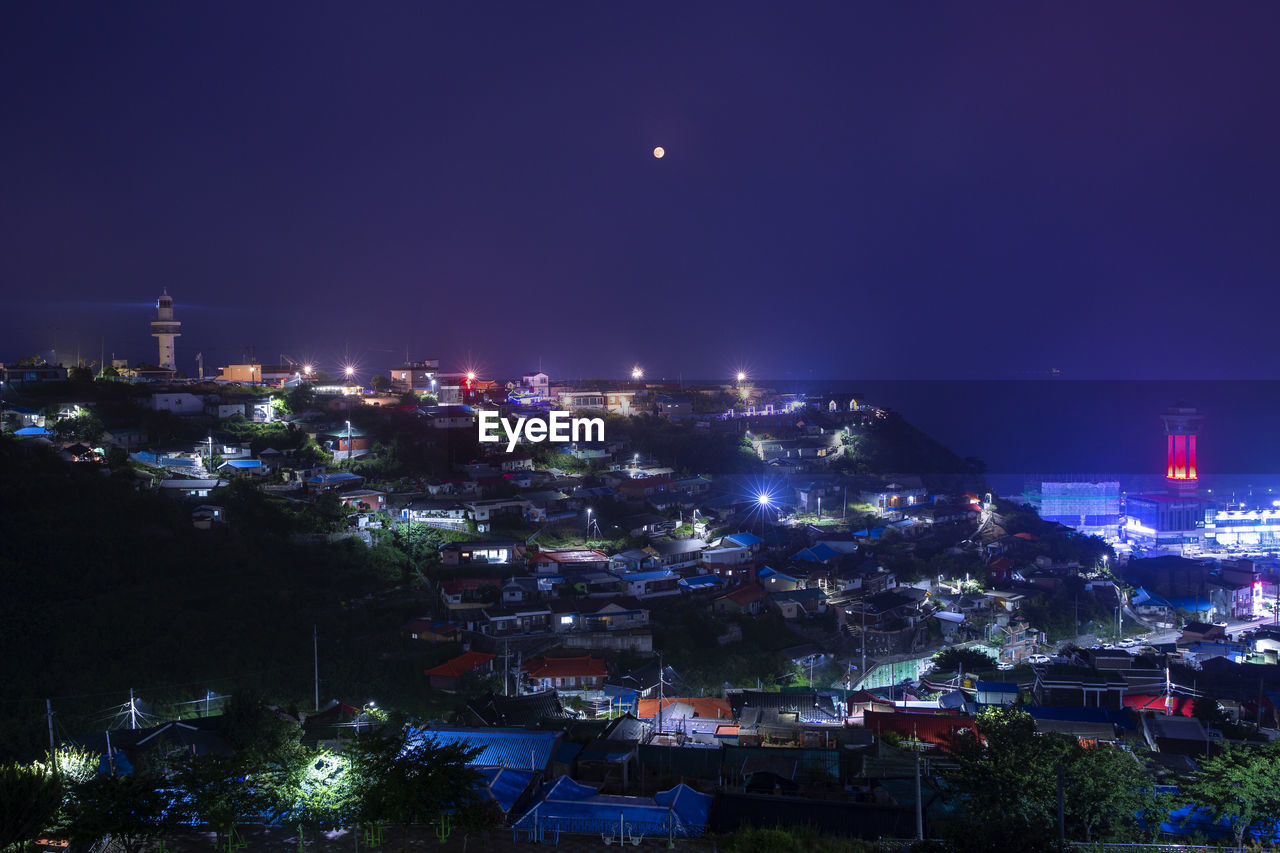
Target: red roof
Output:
[
  {"x": 577, "y": 555},
  {"x": 583, "y": 667},
  {"x": 461, "y": 665},
  {"x": 456, "y": 585},
  {"x": 1030, "y": 537},
  {"x": 745, "y": 594},
  {"x": 703, "y": 706},
  {"x": 930, "y": 728},
  {"x": 1181, "y": 705}
]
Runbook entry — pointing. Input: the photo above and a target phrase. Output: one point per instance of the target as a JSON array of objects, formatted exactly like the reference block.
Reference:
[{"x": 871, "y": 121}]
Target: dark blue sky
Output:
[{"x": 850, "y": 190}]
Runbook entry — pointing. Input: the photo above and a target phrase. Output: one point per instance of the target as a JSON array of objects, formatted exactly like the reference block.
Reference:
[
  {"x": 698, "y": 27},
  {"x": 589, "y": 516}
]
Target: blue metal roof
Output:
[
  {"x": 243, "y": 463},
  {"x": 569, "y": 806},
  {"x": 337, "y": 477},
  {"x": 505, "y": 786},
  {"x": 648, "y": 576},
  {"x": 701, "y": 581},
  {"x": 745, "y": 540},
  {"x": 514, "y": 748},
  {"x": 31, "y": 431}
]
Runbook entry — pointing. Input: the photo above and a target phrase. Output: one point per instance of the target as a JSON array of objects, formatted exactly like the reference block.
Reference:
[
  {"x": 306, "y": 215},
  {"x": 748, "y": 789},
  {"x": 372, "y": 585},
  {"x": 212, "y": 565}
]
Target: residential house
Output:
[
  {"x": 595, "y": 584},
  {"x": 368, "y": 500},
  {"x": 598, "y": 615},
  {"x": 1079, "y": 687},
  {"x": 495, "y": 621},
  {"x": 648, "y": 524},
  {"x": 579, "y": 559},
  {"x": 448, "y": 417},
  {"x": 1200, "y": 632},
  {"x": 428, "y": 631},
  {"x": 178, "y": 403},
  {"x": 799, "y": 602},
  {"x": 484, "y": 552},
  {"x": 206, "y": 516},
  {"x": 423, "y": 511},
  {"x": 1017, "y": 641},
  {"x": 893, "y": 496},
  {"x": 568, "y": 674},
  {"x": 745, "y": 599},
  {"x": 446, "y": 675},
  {"x": 462, "y": 594},
  {"x": 416, "y": 376},
  {"x": 336, "y": 481},
  {"x": 679, "y": 553},
  {"x": 192, "y": 488},
  {"x": 653, "y": 584},
  {"x": 634, "y": 560}
]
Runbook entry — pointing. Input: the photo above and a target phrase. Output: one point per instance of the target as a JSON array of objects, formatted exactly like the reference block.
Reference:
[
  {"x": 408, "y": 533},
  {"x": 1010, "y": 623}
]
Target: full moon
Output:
[{"x": 658, "y": 152}]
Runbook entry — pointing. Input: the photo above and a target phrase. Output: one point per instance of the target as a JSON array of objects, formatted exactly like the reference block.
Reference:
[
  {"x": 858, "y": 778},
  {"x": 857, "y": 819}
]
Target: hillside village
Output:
[{"x": 754, "y": 596}]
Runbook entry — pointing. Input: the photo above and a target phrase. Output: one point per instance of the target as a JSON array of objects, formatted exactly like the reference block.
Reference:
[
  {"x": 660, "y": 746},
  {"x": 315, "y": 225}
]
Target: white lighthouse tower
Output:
[{"x": 165, "y": 329}]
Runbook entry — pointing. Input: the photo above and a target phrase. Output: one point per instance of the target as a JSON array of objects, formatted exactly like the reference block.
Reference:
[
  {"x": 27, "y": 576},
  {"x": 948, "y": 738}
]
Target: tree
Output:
[
  {"x": 80, "y": 375},
  {"x": 29, "y": 799},
  {"x": 1241, "y": 786},
  {"x": 299, "y": 399},
  {"x": 217, "y": 791},
  {"x": 477, "y": 816},
  {"x": 1109, "y": 796},
  {"x": 955, "y": 659},
  {"x": 1010, "y": 785},
  {"x": 380, "y": 384},
  {"x": 108, "y": 371},
  {"x": 404, "y": 776},
  {"x": 133, "y": 810}
]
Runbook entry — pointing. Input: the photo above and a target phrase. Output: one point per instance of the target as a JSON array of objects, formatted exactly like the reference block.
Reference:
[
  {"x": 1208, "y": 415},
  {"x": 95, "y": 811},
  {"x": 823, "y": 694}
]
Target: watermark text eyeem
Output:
[{"x": 558, "y": 427}]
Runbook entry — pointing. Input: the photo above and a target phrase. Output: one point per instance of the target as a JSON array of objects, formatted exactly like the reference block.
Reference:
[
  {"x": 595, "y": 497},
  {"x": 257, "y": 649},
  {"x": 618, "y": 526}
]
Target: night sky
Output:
[{"x": 849, "y": 190}]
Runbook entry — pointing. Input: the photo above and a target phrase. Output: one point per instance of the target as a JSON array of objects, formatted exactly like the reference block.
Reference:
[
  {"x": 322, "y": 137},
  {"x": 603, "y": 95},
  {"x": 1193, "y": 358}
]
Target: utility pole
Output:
[
  {"x": 53, "y": 752},
  {"x": 863, "y": 637},
  {"x": 315, "y": 653},
  {"x": 1062, "y": 817},
  {"x": 506, "y": 661},
  {"x": 919, "y": 801},
  {"x": 661, "y": 679},
  {"x": 133, "y": 711}
]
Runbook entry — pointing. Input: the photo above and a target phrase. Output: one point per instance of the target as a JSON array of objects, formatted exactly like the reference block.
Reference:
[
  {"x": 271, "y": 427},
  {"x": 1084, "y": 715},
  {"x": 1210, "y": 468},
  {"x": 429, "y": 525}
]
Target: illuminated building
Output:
[
  {"x": 257, "y": 374},
  {"x": 164, "y": 328},
  {"x": 1175, "y": 520},
  {"x": 1091, "y": 508},
  {"x": 1242, "y": 528},
  {"x": 416, "y": 376},
  {"x": 1181, "y": 427}
]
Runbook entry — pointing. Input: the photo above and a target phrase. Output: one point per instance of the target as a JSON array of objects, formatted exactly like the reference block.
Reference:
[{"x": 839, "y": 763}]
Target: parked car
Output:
[{"x": 1038, "y": 660}]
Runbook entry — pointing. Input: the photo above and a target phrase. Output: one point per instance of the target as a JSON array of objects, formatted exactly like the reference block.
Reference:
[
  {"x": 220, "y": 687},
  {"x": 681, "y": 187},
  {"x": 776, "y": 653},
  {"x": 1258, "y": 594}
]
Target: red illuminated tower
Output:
[{"x": 1181, "y": 426}]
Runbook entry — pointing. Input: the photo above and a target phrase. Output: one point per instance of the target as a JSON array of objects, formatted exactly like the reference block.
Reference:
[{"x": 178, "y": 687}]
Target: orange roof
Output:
[
  {"x": 746, "y": 593},
  {"x": 703, "y": 706},
  {"x": 461, "y": 665},
  {"x": 583, "y": 667}
]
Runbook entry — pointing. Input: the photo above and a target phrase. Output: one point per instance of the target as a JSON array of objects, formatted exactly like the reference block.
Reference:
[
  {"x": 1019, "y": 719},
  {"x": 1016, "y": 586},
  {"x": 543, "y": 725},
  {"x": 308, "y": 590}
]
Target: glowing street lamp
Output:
[
  {"x": 764, "y": 499},
  {"x": 306, "y": 369},
  {"x": 637, "y": 373},
  {"x": 742, "y": 376}
]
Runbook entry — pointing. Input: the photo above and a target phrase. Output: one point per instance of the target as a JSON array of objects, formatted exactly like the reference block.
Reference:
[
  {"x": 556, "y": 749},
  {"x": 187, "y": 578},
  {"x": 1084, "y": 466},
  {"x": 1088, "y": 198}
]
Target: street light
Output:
[
  {"x": 742, "y": 376},
  {"x": 348, "y": 441},
  {"x": 637, "y": 373}
]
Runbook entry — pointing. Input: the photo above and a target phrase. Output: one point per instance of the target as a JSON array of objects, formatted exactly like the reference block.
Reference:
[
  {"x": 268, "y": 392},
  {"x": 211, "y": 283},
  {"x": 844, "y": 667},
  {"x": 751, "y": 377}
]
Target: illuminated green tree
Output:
[
  {"x": 132, "y": 810},
  {"x": 403, "y": 776},
  {"x": 1240, "y": 785},
  {"x": 29, "y": 799}
]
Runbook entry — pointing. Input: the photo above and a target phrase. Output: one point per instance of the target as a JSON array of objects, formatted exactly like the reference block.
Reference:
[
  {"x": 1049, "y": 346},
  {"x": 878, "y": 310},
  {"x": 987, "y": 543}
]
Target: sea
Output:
[{"x": 1032, "y": 430}]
